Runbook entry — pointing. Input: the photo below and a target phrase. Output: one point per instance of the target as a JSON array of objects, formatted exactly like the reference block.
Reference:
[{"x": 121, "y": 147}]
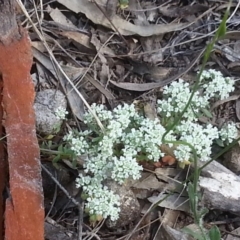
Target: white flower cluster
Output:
[
  {"x": 228, "y": 132},
  {"x": 201, "y": 138},
  {"x": 101, "y": 200},
  {"x": 176, "y": 96},
  {"x": 104, "y": 203},
  {"x": 218, "y": 86},
  {"x": 130, "y": 137},
  {"x": 125, "y": 166},
  {"x": 114, "y": 153},
  {"x": 100, "y": 111},
  {"x": 147, "y": 138},
  {"x": 61, "y": 113},
  {"x": 77, "y": 142}
]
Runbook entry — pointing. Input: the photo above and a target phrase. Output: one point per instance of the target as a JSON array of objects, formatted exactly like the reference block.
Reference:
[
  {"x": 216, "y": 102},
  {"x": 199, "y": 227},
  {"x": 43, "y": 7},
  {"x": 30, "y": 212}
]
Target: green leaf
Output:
[
  {"x": 60, "y": 148},
  {"x": 207, "y": 113},
  {"x": 123, "y": 4},
  {"x": 57, "y": 158},
  {"x": 222, "y": 28},
  {"x": 220, "y": 32},
  {"x": 202, "y": 212},
  {"x": 214, "y": 233},
  {"x": 55, "y": 164},
  {"x": 220, "y": 143},
  {"x": 194, "y": 234},
  {"x": 97, "y": 139}
]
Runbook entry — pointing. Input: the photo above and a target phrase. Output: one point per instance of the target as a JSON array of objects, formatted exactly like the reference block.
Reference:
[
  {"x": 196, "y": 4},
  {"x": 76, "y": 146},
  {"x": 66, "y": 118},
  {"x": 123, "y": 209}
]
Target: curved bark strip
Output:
[
  {"x": 2, "y": 166},
  {"x": 24, "y": 214}
]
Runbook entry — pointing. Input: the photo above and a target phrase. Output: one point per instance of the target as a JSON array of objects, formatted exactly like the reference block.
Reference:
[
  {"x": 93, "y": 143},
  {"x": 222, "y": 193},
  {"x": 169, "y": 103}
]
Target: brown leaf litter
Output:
[{"x": 159, "y": 42}]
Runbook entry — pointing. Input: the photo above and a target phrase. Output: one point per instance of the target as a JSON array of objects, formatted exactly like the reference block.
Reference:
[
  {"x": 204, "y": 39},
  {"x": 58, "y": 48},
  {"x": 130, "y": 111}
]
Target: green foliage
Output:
[
  {"x": 203, "y": 234},
  {"x": 214, "y": 233},
  {"x": 123, "y": 4},
  {"x": 58, "y": 152}
]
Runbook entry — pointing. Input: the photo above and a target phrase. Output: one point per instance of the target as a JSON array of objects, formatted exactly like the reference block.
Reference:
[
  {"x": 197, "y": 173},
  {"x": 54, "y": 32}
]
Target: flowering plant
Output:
[
  {"x": 129, "y": 137},
  {"x": 61, "y": 113}
]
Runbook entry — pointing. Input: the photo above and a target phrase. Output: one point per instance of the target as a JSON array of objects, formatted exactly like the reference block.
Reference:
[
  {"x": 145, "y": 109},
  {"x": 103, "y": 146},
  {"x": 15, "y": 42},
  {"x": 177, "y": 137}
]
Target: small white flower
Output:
[
  {"x": 61, "y": 113},
  {"x": 78, "y": 144},
  {"x": 229, "y": 132},
  {"x": 217, "y": 85},
  {"x": 100, "y": 111},
  {"x": 123, "y": 114},
  {"x": 176, "y": 96},
  {"x": 126, "y": 167},
  {"x": 182, "y": 153},
  {"x": 201, "y": 138},
  {"x": 101, "y": 200}
]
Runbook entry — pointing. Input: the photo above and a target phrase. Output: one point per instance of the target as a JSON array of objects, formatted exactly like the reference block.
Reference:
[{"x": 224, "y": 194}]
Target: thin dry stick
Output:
[
  {"x": 233, "y": 14},
  {"x": 93, "y": 233},
  {"x": 183, "y": 189},
  {"x": 78, "y": 204},
  {"x": 53, "y": 201},
  {"x": 94, "y": 59}
]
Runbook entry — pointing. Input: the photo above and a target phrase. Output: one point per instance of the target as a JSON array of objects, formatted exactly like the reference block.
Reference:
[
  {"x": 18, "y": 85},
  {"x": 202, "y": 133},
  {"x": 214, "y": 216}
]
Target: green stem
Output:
[{"x": 221, "y": 31}]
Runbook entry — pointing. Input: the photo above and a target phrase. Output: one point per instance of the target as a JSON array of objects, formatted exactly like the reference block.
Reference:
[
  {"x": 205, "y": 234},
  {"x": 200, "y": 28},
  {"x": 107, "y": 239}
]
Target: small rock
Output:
[
  {"x": 232, "y": 159},
  {"x": 129, "y": 205},
  {"x": 46, "y": 103}
]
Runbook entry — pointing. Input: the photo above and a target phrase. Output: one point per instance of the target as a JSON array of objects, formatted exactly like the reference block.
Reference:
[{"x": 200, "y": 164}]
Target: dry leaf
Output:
[
  {"x": 150, "y": 111},
  {"x": 150, "y": 43},
  {"x": 58, "y": 17},
  {"x": 74, "y": 100},
  {"x": 180, "y": 12},
  {"x": 93, "y": 13},
  {"x": 138, "y": 87},
  {"x": 238, "y": 109},
  {"x": 230, "y": 54},
  {"x": 148, "y": 181},
  {"x": 174, "y": 202},
  {"x": 79, "y": 37}
]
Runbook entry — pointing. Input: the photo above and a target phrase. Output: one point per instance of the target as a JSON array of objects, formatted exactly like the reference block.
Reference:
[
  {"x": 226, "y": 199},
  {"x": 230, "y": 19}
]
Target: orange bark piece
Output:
[
  {"x": 170, "y": 160},
  {"x": 24, "y": 214},
  {"x": 2, "y": 166}
]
